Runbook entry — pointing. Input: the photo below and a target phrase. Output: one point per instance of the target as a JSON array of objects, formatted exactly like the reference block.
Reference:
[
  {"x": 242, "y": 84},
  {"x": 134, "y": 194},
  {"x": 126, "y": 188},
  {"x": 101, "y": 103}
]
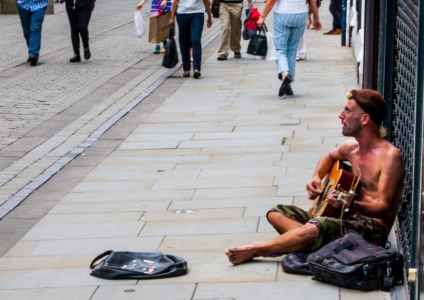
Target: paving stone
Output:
[
  {"x": 198, "y": 214},
  {"x": 222, "y": 203},
  {"x": 211, "y": 183},
  {"x": 106, "y": 208},
  {"x": 51, "y": 219},
  {"x": 149, "y": 145},
  {"x": 65, "y": 293},
  {"x": 164, "y": 159},
  {"x": 199, "y": 227},
  {"x": 211, "y": 242},
  {"x": 225, "y": 193},
  {"x": 249, "y": 290},
  {"x": 198, "y": 273},
  {"x": 160, "y": 291},
  {"x": 83, "y": 246},
  {"x": 52, "y": 278},
  {"x": 84, "y": 231},
  {"x": 137, "y": 196},
  {"x": 112, "y": 186},
  {"x": 44, "y": 262},
  {"x": 140, "y": 175}
]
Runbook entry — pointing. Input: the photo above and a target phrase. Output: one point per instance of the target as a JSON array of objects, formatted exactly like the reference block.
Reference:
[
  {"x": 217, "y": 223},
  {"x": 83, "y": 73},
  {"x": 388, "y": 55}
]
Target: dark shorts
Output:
[{"x": 332, "y": 228}]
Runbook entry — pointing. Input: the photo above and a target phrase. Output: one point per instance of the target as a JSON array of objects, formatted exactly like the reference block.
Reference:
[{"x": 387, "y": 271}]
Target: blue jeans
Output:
[
  {"x": 190, "y": 27},
  {"x": 31, "y": 25},
  {"x": 288, "y": 29},
  {"x": 335, "y": 6}
]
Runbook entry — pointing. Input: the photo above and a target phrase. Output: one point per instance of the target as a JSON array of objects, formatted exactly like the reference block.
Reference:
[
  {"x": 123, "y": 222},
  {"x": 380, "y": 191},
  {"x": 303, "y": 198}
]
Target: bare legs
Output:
[{"x": 294, "y": 237}]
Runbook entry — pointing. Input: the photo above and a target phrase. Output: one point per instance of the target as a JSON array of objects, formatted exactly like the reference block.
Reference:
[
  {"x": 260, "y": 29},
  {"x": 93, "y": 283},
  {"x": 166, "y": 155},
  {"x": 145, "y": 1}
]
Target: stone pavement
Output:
[{"x": 190, "y": 171}]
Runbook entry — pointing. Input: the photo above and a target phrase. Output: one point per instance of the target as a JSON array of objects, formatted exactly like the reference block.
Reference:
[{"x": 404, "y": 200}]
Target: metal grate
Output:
[{"x": 404, "y": 103}]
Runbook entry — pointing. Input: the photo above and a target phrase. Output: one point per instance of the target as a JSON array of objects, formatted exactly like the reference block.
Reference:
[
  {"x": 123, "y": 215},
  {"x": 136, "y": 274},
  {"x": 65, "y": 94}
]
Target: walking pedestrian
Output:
[
  {"x": 164, "y": 5},
  {"x": 31, "y": 13},
  {"x": 230, "y": 14},
  {"x": 335, "y": 10},
  {"x": 190, "y": 19},
  {"x": 290, "y": 18},
  {"x": 79, "y": 14}
]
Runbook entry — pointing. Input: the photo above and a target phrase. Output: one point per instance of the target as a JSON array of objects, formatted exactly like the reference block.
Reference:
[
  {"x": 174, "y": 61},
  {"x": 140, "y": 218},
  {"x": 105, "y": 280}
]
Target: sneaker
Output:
[
  {"x": 330, "y": 32},
  {"x": 237, "y": 54},
  {"x": 162, "y": 50},
  {"x": 157, "y": 50},
  {"x": 87, "y": 53},
  {"x": 222, "y": 57},
  {"x": 75, "y": 58}
]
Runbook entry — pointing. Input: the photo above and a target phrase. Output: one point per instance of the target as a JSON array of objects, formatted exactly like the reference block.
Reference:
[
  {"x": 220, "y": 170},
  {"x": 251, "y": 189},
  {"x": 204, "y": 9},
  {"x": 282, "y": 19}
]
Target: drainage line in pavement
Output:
[{"x": 47, "y": 174}]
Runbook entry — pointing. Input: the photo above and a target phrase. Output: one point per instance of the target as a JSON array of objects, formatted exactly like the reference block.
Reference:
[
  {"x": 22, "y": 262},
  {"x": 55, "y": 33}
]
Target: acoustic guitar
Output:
[{"x": 340, "y": 173}]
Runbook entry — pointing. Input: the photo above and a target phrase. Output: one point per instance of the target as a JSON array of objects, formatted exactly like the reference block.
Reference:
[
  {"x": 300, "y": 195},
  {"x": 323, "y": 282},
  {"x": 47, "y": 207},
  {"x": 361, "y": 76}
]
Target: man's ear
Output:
[{"x": 365, "y": 119}]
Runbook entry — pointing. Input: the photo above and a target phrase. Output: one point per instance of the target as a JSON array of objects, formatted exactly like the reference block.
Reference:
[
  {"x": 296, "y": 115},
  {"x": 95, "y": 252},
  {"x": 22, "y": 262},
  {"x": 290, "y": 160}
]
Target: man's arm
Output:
[{"x": 390, "y": 187}]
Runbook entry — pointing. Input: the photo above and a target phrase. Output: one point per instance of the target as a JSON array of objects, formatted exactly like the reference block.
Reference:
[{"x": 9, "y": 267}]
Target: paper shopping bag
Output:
[{"x": 159, "y": 28}]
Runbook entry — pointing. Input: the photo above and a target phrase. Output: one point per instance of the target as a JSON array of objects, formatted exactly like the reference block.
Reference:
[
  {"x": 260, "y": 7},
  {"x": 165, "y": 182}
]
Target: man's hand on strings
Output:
[
  {"x": 314, "y": 187},
  {"x": 332, "y": 198}
]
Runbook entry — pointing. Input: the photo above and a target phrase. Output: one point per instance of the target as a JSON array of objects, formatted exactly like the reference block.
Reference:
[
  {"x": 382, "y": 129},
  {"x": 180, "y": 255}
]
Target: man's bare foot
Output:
[{"x": 241, "y": 254}]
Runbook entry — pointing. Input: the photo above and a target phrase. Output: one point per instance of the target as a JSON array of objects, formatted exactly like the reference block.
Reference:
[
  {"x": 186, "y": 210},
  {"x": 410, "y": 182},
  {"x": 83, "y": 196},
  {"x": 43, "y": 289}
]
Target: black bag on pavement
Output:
[
  {"x": 296, "y": 263},
  {"x": 353, "y": 263},
  {"x": 137, "y": 265},
  {"x": 170, "y": 58},
  {"x": 258, "y": 45}
]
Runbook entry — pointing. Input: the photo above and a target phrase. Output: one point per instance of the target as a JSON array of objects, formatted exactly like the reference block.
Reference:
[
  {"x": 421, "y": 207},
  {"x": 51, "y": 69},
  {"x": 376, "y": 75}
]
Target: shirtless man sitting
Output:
[{"x": 380, "y": 166}]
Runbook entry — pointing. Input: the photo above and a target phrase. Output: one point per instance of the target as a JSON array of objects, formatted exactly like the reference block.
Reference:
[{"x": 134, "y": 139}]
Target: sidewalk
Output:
[{"x": 190, "y": 171}]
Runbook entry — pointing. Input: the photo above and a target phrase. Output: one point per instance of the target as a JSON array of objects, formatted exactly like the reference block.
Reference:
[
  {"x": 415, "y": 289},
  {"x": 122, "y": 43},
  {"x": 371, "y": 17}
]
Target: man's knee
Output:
[{"x": 308, "y": 232}]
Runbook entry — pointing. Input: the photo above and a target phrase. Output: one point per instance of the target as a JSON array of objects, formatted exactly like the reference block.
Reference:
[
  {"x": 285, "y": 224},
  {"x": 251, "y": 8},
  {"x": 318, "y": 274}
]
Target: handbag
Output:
[
  {"x": 159, "y": 27},
  {"x": 258, "y": 44},
  {"x": 215, "y": 8},
  {"x": 353, "y": 263},
  {"x": 137, "y": 265},
  {"x": 170, "y": 58},
  {"x": 296, "y": 263}
]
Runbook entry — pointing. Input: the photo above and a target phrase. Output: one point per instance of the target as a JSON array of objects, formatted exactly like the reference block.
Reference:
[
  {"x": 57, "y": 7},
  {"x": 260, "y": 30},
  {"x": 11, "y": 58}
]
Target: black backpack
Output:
[
  {"x": 137, "y": 265},
  {"x": 351, "y": 262}
]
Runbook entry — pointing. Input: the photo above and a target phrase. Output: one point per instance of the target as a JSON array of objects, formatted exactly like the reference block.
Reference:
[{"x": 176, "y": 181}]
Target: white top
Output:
[
  {"x": 291, "y": 6},
  {"x": 190, "y": 7}
]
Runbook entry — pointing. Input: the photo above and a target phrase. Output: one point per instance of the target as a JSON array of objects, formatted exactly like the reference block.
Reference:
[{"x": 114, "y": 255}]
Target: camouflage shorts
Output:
[{"x": 329, "y": 228}]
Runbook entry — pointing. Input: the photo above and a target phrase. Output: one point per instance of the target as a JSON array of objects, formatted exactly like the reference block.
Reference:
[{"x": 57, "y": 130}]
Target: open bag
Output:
[
  {"x": 137, "y": 265},
  {"x": 140, "y": 28},
  {"x": 353, "y": 263},
  {"x": 170, "y": 58}
]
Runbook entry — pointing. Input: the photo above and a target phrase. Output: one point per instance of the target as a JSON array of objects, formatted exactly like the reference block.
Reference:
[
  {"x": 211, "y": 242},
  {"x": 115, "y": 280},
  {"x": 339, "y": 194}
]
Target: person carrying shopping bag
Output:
[
  {"x": 164, "y": 5},
  {"x": 290, "y": 18},
  {"x": 190, "y": 19},
  {"x": 79, "y": 14}
]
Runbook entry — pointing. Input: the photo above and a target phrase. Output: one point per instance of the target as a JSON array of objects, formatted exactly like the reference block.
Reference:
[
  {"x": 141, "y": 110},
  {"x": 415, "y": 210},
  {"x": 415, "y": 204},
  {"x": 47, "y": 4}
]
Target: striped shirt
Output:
[
  {"x": 33, "y": 5},
  {"x": 156, "y": 5}
]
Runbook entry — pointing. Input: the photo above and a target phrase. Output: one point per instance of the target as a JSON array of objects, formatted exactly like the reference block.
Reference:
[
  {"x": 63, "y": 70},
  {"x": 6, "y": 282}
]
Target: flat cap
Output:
[{"x": 371, "y": 102}]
